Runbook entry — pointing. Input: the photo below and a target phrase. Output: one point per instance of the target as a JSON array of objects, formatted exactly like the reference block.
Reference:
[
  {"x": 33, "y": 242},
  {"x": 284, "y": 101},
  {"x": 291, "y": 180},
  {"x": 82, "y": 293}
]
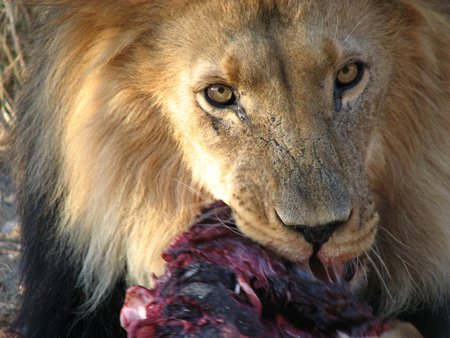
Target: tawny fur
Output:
[{"x": 130, "y": 179}]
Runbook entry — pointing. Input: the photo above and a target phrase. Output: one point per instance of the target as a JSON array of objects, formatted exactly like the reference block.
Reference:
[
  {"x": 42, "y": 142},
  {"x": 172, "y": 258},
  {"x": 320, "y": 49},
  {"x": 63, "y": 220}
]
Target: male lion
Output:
[{"x": 325, "y": 125}]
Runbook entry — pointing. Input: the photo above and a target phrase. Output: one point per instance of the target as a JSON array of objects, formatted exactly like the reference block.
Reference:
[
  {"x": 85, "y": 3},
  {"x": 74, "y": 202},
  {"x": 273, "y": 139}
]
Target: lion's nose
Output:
[{"x": 317, "y": 235}]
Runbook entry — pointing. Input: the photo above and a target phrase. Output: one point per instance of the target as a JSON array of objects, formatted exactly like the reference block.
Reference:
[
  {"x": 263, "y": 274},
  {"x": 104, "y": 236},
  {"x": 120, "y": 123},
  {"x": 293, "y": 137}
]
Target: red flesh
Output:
[{"x": 220, "y": 283}]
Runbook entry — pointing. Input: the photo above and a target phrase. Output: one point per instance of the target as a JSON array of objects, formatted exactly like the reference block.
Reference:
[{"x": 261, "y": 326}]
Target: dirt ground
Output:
[{"x": 9, "y": 248}]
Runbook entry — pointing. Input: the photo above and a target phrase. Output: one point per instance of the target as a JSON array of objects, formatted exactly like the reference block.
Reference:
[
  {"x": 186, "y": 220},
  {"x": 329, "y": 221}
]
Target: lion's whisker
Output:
[
  {"x": 380, "y": 276},
  {"x": 189, "y": 187},
  {"x": 374, "y": 251},
  {"x": 405, "y": 264},
  {"x": 395, "y": 238}
]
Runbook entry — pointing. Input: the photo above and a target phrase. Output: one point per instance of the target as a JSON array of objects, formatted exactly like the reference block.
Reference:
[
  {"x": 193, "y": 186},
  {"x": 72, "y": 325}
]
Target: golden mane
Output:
[{"x": 409, "y": 171}]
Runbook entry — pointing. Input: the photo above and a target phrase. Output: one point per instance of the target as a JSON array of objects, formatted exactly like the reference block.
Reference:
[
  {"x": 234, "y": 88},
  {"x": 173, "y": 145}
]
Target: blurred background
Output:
[{"x": 15, "y": 16}]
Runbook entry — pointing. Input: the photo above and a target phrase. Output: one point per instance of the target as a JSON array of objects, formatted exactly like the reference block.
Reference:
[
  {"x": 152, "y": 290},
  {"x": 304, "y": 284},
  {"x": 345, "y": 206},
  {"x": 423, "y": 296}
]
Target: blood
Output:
[{"x": 220, "y": 283}]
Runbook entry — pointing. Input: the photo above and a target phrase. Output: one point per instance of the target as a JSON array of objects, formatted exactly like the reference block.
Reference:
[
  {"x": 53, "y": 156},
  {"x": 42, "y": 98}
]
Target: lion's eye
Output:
[
  {"x": 220, "y": 95},
  {"x": 349, "y": 75}
]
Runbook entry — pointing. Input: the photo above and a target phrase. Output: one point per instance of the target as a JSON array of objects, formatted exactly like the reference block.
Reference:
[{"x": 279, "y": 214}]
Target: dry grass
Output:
[{"x": 14, "y": 18}]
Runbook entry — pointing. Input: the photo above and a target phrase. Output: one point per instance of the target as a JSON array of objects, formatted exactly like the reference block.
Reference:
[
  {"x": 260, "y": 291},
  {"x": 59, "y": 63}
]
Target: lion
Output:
[{"x": 325, "y": 125}]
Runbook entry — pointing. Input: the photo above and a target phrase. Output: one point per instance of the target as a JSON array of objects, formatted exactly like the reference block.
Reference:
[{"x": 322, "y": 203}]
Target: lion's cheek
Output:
[{"x": 211, "y": 172}]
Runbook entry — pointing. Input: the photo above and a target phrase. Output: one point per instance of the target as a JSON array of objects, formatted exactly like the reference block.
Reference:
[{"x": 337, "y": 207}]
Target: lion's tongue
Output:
[{"x": 336, "y": 273}]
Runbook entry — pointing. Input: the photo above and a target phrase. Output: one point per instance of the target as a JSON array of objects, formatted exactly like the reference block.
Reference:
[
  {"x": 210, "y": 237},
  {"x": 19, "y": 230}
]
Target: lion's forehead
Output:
[{"x": 301, "y": 23}]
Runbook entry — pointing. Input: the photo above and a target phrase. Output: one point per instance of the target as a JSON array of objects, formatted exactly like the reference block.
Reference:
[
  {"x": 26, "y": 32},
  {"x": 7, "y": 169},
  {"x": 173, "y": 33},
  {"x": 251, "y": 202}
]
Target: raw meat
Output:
[{"x": 219, "y": 283}]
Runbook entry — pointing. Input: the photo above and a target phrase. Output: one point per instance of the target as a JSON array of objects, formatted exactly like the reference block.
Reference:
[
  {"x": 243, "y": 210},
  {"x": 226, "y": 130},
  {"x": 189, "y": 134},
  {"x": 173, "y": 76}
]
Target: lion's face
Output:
[{"x": 280, "y": 121}]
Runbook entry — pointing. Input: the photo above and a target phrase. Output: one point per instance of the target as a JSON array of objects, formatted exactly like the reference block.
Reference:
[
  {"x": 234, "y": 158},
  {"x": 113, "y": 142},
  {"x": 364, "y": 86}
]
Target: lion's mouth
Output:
[{"x": 337, "y": 273}]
